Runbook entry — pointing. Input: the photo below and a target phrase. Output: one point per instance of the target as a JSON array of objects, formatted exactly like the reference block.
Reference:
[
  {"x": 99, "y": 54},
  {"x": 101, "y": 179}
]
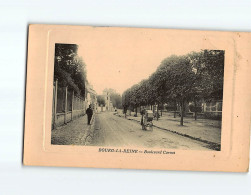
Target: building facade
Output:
[{"x": 108, "y": 102}]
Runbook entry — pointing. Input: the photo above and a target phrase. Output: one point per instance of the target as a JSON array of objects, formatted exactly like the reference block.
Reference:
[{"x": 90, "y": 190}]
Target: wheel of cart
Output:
[{"x": 150, "y": 126}]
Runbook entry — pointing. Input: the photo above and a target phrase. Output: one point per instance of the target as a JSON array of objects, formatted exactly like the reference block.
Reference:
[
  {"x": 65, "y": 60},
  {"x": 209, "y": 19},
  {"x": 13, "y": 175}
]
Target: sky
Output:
[{"x": 118, "y": 58}]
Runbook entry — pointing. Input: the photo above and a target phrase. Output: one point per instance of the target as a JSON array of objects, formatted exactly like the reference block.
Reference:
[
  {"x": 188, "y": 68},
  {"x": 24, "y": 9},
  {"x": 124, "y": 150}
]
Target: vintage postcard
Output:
[{"x": 137, "y": 98}]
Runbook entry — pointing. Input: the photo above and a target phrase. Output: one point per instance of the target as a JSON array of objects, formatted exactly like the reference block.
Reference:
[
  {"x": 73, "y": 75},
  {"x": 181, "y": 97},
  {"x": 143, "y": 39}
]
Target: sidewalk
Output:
[
  {"x": 76, "y": 132},
  {"x": 206, "y": 130}
]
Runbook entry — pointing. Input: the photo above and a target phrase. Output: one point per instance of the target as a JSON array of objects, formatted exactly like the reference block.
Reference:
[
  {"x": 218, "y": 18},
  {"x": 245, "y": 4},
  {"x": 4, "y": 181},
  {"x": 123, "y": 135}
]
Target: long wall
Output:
[{"x": 66, "y": 106}]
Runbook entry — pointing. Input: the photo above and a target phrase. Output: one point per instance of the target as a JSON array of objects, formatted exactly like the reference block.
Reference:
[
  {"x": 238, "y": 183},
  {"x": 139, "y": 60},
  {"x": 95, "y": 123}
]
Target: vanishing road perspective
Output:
[
  {"x": 179, "y": 106},
  {"x": 111, "y": 130},
  {"x": 114, "y": 130}
]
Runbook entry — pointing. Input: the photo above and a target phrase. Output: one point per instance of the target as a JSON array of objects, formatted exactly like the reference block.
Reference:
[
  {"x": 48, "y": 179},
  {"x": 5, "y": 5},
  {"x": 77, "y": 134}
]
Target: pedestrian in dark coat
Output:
[
  {"x": 143, "y": 112},
  {"x": 89, "y": 113}
]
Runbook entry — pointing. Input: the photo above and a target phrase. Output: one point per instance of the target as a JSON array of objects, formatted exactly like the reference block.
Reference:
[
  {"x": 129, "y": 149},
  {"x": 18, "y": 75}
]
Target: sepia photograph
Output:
[{"x": 164, "y": 99}]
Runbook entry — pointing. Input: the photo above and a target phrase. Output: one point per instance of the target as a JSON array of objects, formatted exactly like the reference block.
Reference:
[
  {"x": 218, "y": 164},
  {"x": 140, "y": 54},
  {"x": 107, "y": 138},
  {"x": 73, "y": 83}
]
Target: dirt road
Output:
[{"x": 111, "y": 130}]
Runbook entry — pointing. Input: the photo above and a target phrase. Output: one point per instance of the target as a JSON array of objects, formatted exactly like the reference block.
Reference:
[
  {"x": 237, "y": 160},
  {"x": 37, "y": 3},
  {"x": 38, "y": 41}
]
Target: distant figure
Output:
[
  {"x": 89, "y": 113},
  {"x": 143, "y": 112},
  {"x": 124, "y": 111}
]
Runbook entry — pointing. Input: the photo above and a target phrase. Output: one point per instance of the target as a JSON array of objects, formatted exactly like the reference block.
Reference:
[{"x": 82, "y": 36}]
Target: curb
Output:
[
  {"x": 212, "y": 145},
  {"x": 90, "y": 132}
]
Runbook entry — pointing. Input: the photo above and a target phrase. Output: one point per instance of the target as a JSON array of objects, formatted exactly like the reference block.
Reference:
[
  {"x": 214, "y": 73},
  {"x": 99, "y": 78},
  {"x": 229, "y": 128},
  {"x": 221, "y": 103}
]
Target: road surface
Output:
[{"x": 112, "y": 130}]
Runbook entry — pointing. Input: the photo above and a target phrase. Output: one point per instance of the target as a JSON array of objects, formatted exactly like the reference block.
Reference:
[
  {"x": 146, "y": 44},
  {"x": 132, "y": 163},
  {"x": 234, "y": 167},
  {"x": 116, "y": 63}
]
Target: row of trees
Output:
[
  {"x": 69, "y": 68},
  {"x": 180, "y": 79}
]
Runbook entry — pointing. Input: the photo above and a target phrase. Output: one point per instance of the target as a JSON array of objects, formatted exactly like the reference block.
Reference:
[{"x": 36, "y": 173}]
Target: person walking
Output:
[
  {"x": 143, "y": 112},
  {"x": 89, "y": 113}
]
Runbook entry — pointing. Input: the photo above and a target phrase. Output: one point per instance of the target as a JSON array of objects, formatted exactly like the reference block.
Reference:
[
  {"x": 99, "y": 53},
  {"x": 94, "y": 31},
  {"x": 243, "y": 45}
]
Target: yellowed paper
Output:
[{"x": 112, "y": 54}]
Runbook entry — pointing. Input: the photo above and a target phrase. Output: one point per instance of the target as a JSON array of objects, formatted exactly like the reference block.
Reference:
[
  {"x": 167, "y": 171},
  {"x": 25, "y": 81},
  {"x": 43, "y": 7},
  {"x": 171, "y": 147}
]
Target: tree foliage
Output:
[
  {"x": 101, "y": 100},
  {"x": 115, "y": 98},
  {"x": 180, "y": 79},
  {"x": 69, "y": 68}
]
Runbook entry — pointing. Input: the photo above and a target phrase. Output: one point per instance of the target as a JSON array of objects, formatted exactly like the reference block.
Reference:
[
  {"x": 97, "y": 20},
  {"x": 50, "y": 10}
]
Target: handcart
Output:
[{"x": 147, "y": 123}]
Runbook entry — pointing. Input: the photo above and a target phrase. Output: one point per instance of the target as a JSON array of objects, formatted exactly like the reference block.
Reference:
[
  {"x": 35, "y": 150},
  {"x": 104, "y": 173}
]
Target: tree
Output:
[
  {"x": 101, "y": 100},
  {"x": 178, "y": 80},
  {"x": 115, "y": 98},
  {"x": 214, "y": 68},
  {"x": 135, "y": 97},
  {"x": 126, "y": 101},
  {"x": 79, "y": 75},
  {"x": 69, "y": 68},
  {"x": 208, "y": 66}
]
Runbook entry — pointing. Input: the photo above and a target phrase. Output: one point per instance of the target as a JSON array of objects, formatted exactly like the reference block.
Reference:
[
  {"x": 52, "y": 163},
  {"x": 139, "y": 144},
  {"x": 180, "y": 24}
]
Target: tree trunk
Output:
[
  {"x": 174, "y": 116},
  {"x": 182, "y": 112},
  {"x": 136, "y": 112},
  {"x": 184, "y": 109},
  {"x": 157, "y": 112},
  {"x": 195, "y": 112},
  {"x": 125, "y": 110}
]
